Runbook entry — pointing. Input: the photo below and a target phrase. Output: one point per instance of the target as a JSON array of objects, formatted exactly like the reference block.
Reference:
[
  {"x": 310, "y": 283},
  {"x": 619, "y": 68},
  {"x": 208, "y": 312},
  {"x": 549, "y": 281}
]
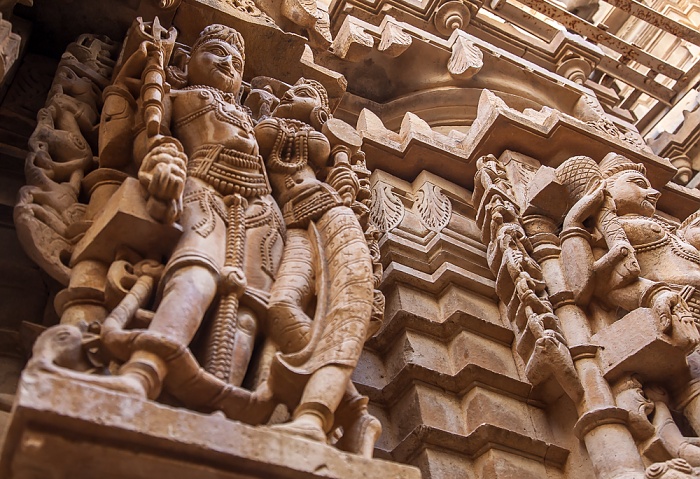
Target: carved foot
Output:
[
  {"x": 362, "y": 435},
  {"x": 130, "y": 384},
  {"x": 302, "y": 428}
]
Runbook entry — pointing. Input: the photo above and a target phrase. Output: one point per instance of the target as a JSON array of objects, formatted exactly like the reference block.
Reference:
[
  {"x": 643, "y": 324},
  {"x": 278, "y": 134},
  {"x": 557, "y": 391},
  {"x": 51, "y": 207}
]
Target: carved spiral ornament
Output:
[{"x": 450, "y": 16}]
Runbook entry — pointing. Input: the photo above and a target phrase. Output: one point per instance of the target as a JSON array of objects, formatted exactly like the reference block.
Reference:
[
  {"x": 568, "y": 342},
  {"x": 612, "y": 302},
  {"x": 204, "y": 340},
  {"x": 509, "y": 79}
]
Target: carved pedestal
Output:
[
  {"x": 63, "y": 429},
  {"x": 635, "y": 343}
]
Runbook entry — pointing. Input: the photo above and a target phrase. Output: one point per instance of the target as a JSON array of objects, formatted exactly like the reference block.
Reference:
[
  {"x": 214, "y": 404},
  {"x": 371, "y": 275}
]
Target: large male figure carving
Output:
[
  {"x": 219, "y": 159},
  {"x": 200, "y": 166},
  {"x": 207, "y": 174}
]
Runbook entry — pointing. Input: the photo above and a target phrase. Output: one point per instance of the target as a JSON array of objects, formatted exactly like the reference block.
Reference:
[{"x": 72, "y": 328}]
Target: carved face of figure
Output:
[
  {"x": 216, "y": 64},
  {"x": 633, "y": 194},
  {"x": 298, "y": 103}
]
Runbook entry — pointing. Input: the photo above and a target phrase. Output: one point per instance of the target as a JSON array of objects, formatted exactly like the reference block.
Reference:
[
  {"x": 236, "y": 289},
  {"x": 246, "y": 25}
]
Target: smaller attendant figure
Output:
[{"x": 321, "y": 303}]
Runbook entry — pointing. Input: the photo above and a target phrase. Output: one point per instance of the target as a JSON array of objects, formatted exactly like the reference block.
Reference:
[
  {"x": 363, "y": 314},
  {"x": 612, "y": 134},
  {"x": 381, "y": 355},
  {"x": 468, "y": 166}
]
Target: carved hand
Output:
[
  {"x": 618, "y": 266},
  {"x": 163, "y": 173},
  {"x": 657, "y": 394},
  {"x": 669, "y": 305},
  {"x": 345, "y": 182},
  {"x": 584, "y": 208}
]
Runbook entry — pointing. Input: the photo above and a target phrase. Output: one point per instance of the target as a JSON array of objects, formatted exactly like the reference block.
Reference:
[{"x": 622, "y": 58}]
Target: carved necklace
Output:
[
  {"x": 290, "y": 151},
  {"x": 678, "y": 247}
]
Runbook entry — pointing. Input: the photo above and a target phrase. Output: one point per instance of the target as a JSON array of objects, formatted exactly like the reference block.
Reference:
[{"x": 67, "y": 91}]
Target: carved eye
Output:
[
  {"x": 220, "y": 51},
  {"x": 305, "y": 92},
  {"x": 63, "y": 336}
]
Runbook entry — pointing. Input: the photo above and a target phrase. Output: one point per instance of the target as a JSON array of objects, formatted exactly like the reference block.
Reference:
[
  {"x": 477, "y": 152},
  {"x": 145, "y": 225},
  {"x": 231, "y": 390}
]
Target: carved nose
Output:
[
  {"x": 654, "y": 195},
  {"x": 228, "y": 61}
]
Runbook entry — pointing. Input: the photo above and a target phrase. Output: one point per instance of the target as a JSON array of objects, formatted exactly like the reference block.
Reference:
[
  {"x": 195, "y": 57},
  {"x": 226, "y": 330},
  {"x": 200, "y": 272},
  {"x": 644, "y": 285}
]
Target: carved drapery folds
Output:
[{"x": 167, "y": 209}]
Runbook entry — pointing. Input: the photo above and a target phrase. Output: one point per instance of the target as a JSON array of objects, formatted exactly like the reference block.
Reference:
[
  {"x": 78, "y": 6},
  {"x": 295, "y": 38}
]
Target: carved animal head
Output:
[{"x": 61, "y": 346}]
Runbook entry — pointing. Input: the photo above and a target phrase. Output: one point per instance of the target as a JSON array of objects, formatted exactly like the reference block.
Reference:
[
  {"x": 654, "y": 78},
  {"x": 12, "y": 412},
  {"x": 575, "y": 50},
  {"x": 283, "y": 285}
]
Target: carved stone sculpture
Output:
[
  {"x": 245, "y": 245},
  {"x": 520, "y": 282},
  {"x": 597, "y": 307},
  {"x": 326, "y": 258},
  {"x": 620, "y": 258}
]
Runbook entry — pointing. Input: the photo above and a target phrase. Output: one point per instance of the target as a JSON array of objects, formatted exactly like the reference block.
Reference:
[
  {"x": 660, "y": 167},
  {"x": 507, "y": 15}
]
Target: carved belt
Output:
[
  {"x": 310, "y": 205},
  {"x": 229, "y": 171}
]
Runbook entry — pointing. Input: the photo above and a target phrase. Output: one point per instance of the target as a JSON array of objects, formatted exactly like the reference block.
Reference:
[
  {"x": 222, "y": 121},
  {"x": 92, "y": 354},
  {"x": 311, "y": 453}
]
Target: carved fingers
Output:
[
  {"x": 163, "y": 173},
  {"x": 169, "y": 180},
  {"x": 345, "y": 182},
  {"x": 233, "y": 281},
  {"x": 674, "y": 313},
  {"x": 687, "y": 325},
  {"x": 656, "y": 393},
  {"x": 619, "y": 265},
  {"x": 167, "y": 167},
  {"x": 663, "y": 305},
  {"x": 588, "y": 205}
]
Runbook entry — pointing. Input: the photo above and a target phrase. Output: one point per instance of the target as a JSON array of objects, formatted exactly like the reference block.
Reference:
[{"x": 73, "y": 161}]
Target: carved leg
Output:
[
  {"x": 187, "y": 295},
  {"x": 243, "y": 345},
  {"x": 313, "y": 417},
  {"x": 289, "y": 326},
  {"x": 361, "y": 430}
]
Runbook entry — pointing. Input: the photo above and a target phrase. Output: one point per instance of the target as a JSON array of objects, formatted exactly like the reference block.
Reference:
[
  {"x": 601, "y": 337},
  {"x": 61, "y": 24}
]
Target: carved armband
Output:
[
  {"x": 646, "y": 299},
  {"x": 573, "y": 231}
]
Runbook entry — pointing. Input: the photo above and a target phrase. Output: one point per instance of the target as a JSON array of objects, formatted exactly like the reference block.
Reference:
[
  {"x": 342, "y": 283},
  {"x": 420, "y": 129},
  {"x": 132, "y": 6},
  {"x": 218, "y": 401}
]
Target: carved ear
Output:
[
  {"x": 176, "y": 73},
  {"x": 319, "y": 116}
]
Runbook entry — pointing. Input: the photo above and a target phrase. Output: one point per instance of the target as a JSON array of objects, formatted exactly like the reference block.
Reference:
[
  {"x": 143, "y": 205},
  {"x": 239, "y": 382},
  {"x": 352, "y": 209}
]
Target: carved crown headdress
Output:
[
  {"x": 686, "y": 223},
  {"x": 318, "y": 87},
  {"x": 223, "y": 33},
  {"x": 614, "y": 164}
]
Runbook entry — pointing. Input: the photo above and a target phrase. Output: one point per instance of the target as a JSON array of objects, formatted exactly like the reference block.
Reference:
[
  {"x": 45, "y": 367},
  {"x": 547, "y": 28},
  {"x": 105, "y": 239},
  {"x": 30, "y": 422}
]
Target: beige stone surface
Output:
[
  {"x": 65, "y": 429},
  {"x": 482, "y": 184}
]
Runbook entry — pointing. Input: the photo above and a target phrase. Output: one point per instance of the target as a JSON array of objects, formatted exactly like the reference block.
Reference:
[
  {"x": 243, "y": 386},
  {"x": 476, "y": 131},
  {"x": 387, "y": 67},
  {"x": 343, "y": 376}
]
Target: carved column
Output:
[{"x": 601, "y": 424}]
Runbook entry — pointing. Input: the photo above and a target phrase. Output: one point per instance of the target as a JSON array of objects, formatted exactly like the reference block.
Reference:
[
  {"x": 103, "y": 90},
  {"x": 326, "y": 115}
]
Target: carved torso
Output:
[
  {"x": 662, "y": 255},
  {"x": 291, "y": 148},
  {"x": 217, "y": 136},
  {"x": 207, "y": 116}
]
